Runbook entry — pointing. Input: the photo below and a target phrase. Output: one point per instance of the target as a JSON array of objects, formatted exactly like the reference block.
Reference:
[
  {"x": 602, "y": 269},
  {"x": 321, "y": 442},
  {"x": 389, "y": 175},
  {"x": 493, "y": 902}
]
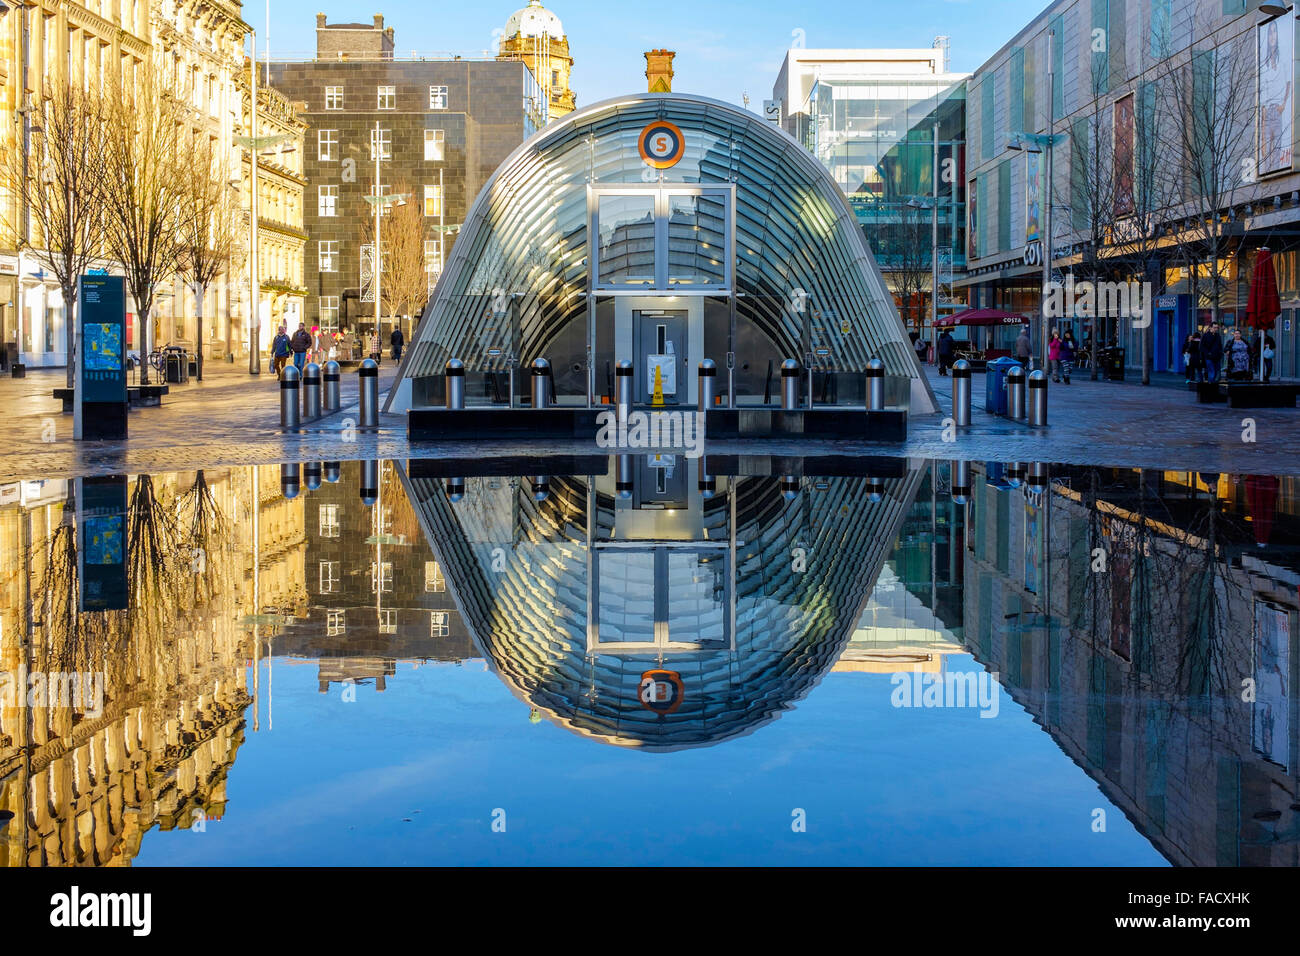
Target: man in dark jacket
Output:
[
  {"x": 397, "y": 340},
  {"x": 1212, "y": 352},
  {"x": 280, "y": 351},
  {"x": 947, "y": 347},
  {"x": 300, "y": 343}
]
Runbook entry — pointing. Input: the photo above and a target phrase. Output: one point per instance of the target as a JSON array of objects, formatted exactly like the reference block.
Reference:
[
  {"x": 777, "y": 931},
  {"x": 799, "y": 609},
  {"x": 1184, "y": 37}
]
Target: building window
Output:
[
  {"x": 437, "y": 97},
  {"x": 335, "y": 622},
  {"x": 387, "y": 98},
  {"x": 334, "y": 97},
  {"x": 327, "y": 255},
  {"x": 433, "y": 200},
  {"x": 329, "y": 576},
  {"x": 385, "y": 139},
  {"x": 329, "y": 313},
  {"x": 329, "y": 521},
  {"x": 327, "y": 203},
  {"x": 439, "y": 623},
  {"x": 327, "y": 144},
  {"x": 381, "y": 577},
  {"x": 387, "y": 621},
  {"x": 434, "y": 142},
  {"x": 434, "y": 582},
  {"x": 433, "y": 255}
]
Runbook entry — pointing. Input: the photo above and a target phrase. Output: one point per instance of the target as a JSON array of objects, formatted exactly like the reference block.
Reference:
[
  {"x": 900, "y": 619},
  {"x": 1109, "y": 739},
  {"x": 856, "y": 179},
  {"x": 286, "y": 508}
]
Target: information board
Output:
[{"x": 102, "y": 312}]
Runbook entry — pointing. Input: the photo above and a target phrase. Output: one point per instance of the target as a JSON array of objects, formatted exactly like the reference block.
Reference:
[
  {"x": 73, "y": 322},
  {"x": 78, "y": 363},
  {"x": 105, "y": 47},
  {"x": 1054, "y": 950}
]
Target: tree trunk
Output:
[
  {"x": 69, "y": 333},
  {"x": 198, "y": 331},
  {"x": 145, "y": 339}
]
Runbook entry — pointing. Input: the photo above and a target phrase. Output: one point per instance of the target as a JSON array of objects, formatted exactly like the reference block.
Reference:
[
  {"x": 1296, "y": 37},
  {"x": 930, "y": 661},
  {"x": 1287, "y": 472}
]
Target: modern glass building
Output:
[
  {"x": 869, "y": 116},
  {"x": 662, "y": 229}
]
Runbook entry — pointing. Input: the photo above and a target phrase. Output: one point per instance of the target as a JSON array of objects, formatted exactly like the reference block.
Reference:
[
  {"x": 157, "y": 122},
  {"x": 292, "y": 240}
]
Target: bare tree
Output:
[
  {"x": 62, "y": 194},
  {"x": 405, "y": 279},
  {"x": 207, "y": 228},
  {"x": 1209, "y": 94},
  {"x": 145, "y": 185},
  {"x": 910, "y": 249},
  {"x": 1093, "y": 188}
]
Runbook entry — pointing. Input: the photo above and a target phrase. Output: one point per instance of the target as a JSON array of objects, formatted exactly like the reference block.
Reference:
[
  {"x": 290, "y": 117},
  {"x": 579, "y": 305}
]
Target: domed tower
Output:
[{"x": 536, "y": 36}]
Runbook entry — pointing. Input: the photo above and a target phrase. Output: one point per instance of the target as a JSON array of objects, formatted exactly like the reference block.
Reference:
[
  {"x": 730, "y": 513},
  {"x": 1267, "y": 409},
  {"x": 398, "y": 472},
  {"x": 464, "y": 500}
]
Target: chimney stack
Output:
[{"x": 659, "y": 70}]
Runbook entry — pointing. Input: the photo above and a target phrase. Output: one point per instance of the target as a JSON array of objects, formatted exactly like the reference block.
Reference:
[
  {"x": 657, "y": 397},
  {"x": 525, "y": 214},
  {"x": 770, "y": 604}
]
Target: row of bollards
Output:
[
  {"x": 306, "y": 395},
  {"x": 292, "y": 475},
  {"x": 1020, "y": 405}
]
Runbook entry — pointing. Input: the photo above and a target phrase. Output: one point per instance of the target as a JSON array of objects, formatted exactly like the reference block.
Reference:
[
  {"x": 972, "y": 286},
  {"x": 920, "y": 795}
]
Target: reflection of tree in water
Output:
[
  {"x": 153, "y": 577},
  {"x": 204, "y": 530}
]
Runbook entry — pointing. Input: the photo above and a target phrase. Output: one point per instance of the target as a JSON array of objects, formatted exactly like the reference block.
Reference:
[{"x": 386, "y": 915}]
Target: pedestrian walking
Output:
[
  {"x": 300, "y": 344},
  {"x": 947, "y": 348},
  {"x": 1270, "y": 349},
  {"x": 1024, "y": 350},
  {"x": 375, "y": 354},
  {"x": 1237, "y": 358},
  {"x": 1065, "y": 356},
  {"x": 396, "y": 341},
  {"x": 1212, "y": 352},
  {"x": 280, "y": 351},
  {"x": 1054, "y": 356},
  {"x": 1192, "y": 356}
]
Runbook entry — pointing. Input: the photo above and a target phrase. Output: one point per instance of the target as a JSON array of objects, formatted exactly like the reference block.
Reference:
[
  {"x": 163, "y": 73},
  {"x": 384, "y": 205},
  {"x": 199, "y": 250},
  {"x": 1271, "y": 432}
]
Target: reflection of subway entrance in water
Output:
[{"x": 588, "y": 591}]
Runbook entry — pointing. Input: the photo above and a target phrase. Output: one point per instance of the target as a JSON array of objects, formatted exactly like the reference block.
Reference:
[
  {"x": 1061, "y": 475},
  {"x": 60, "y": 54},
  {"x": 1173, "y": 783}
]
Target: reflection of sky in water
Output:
[{"x": 333, "y": 783}]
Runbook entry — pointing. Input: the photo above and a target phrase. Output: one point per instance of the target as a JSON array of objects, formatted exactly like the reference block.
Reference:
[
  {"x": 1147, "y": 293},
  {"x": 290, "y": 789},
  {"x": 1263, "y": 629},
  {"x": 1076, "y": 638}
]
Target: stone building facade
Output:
[
  {"x": 443, "y": 128},
  {"x": 536, "y": 36}
]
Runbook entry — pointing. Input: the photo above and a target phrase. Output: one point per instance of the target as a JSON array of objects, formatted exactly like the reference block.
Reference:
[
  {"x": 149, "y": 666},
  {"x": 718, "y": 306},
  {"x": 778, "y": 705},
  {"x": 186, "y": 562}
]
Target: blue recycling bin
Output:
[{"x": 995, "y": 385}]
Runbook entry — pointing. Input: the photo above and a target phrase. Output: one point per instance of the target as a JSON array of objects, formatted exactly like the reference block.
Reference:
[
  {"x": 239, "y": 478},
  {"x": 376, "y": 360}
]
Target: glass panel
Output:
[
  {"x": 697, "y": 243},
  {"x": 626, "y": 612},
  {"x": 627, "y": 240},
  {"x": 697, "y": 597}
]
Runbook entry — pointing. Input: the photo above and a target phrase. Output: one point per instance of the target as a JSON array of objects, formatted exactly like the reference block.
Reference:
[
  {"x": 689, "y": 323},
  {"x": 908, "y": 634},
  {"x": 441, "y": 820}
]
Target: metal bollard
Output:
[
  {"x": 311, "y": 392},
  {"x": 369, "y": 490},
  {"x": 455, "y": 489},
  {"x": 311, "y": 473},
  {"x": 623, "y": 389},
  {"x": 1038, "y": 476},
  {"x": 332, "y": 388},
  {"x": 455, "y": 383},
  {"x": 333, "y": 470},
  {"x": 961, "y": 484},
  {"x": 541, "y": 487},
  {"x": 289, "y": 380},
  {"x": 708, "y": 383},
  {"x": 368, "y": 374},
  {"x": 1038, "y": 398},
  {"x": 790, "y": 385},
  {"x": 623, "y": 484},
  {"x": 1015, "y": 473},
  {"x": 790, "y": 487},
  {"x": 1016, "y": 393},
  {"x": 875, "y": 385},
  {"x": 289, "y": 479},
  {"x": 961, "y": 394},
  {"x": 708, "y": 483},
  {"x": 540, "y": 375},
  {"x": 875, "y": 490}
]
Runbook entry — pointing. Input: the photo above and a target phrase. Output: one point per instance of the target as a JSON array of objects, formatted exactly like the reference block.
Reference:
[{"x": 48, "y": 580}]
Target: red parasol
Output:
[
  {"x": 1261, "y": 501},
  {"x": 981, "y": 317},
  {"x": 1263, "y": 306}
]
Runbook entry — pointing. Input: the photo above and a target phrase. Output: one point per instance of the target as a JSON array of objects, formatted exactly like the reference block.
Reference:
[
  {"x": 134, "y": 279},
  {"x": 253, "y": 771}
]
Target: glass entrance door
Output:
[{"x": 659, "y": 346}]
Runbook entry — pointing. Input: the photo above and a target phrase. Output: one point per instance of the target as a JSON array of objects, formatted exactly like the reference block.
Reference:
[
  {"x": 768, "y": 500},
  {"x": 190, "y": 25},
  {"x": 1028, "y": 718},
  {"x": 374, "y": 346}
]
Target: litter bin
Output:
[
  {"x": 995, "y": 385},
  {"x": 1114, "y": 365},
  {"x": 178, "y": 370}
]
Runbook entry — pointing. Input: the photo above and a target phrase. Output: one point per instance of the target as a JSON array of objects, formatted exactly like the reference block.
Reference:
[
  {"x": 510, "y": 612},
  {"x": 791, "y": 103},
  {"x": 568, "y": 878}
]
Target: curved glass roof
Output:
[{"x": 525, "y": 237}]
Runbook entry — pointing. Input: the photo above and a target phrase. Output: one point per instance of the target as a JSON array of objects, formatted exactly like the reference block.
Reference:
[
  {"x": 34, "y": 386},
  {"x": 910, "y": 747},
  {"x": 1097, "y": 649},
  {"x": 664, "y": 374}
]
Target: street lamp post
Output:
[{"x": 255, "y": 144}]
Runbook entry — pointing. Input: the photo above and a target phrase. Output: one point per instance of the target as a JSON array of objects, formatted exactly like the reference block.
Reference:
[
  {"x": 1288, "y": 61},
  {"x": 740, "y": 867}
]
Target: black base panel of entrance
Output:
[
  {"x": 103, "y": 421},
  {"x": 1258, "y": 395},
  {"x": 509, "y": 466},
  {"x": 844, "y": 423},
  {"x": 816, "y": 466},
  {"x": 478, "y": 424}
]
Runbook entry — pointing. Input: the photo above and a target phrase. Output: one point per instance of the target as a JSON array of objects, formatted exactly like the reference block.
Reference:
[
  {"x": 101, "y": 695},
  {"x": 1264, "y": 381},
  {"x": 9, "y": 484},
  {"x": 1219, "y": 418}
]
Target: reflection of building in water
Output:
[
  {"x": 912, "y": 621},
  {"x": 375, "y": 594},
  {"x": 85, "y": 777},
  {"x": 1162, "y": 603},
  {"x": 650, "y": 611}
]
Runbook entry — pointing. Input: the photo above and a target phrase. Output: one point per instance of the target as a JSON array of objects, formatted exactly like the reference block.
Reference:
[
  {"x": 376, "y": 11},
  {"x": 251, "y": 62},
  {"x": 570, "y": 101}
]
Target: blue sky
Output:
[
  {"x": 724, "y": 47},
  {"x": 414, "y": 775}
]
